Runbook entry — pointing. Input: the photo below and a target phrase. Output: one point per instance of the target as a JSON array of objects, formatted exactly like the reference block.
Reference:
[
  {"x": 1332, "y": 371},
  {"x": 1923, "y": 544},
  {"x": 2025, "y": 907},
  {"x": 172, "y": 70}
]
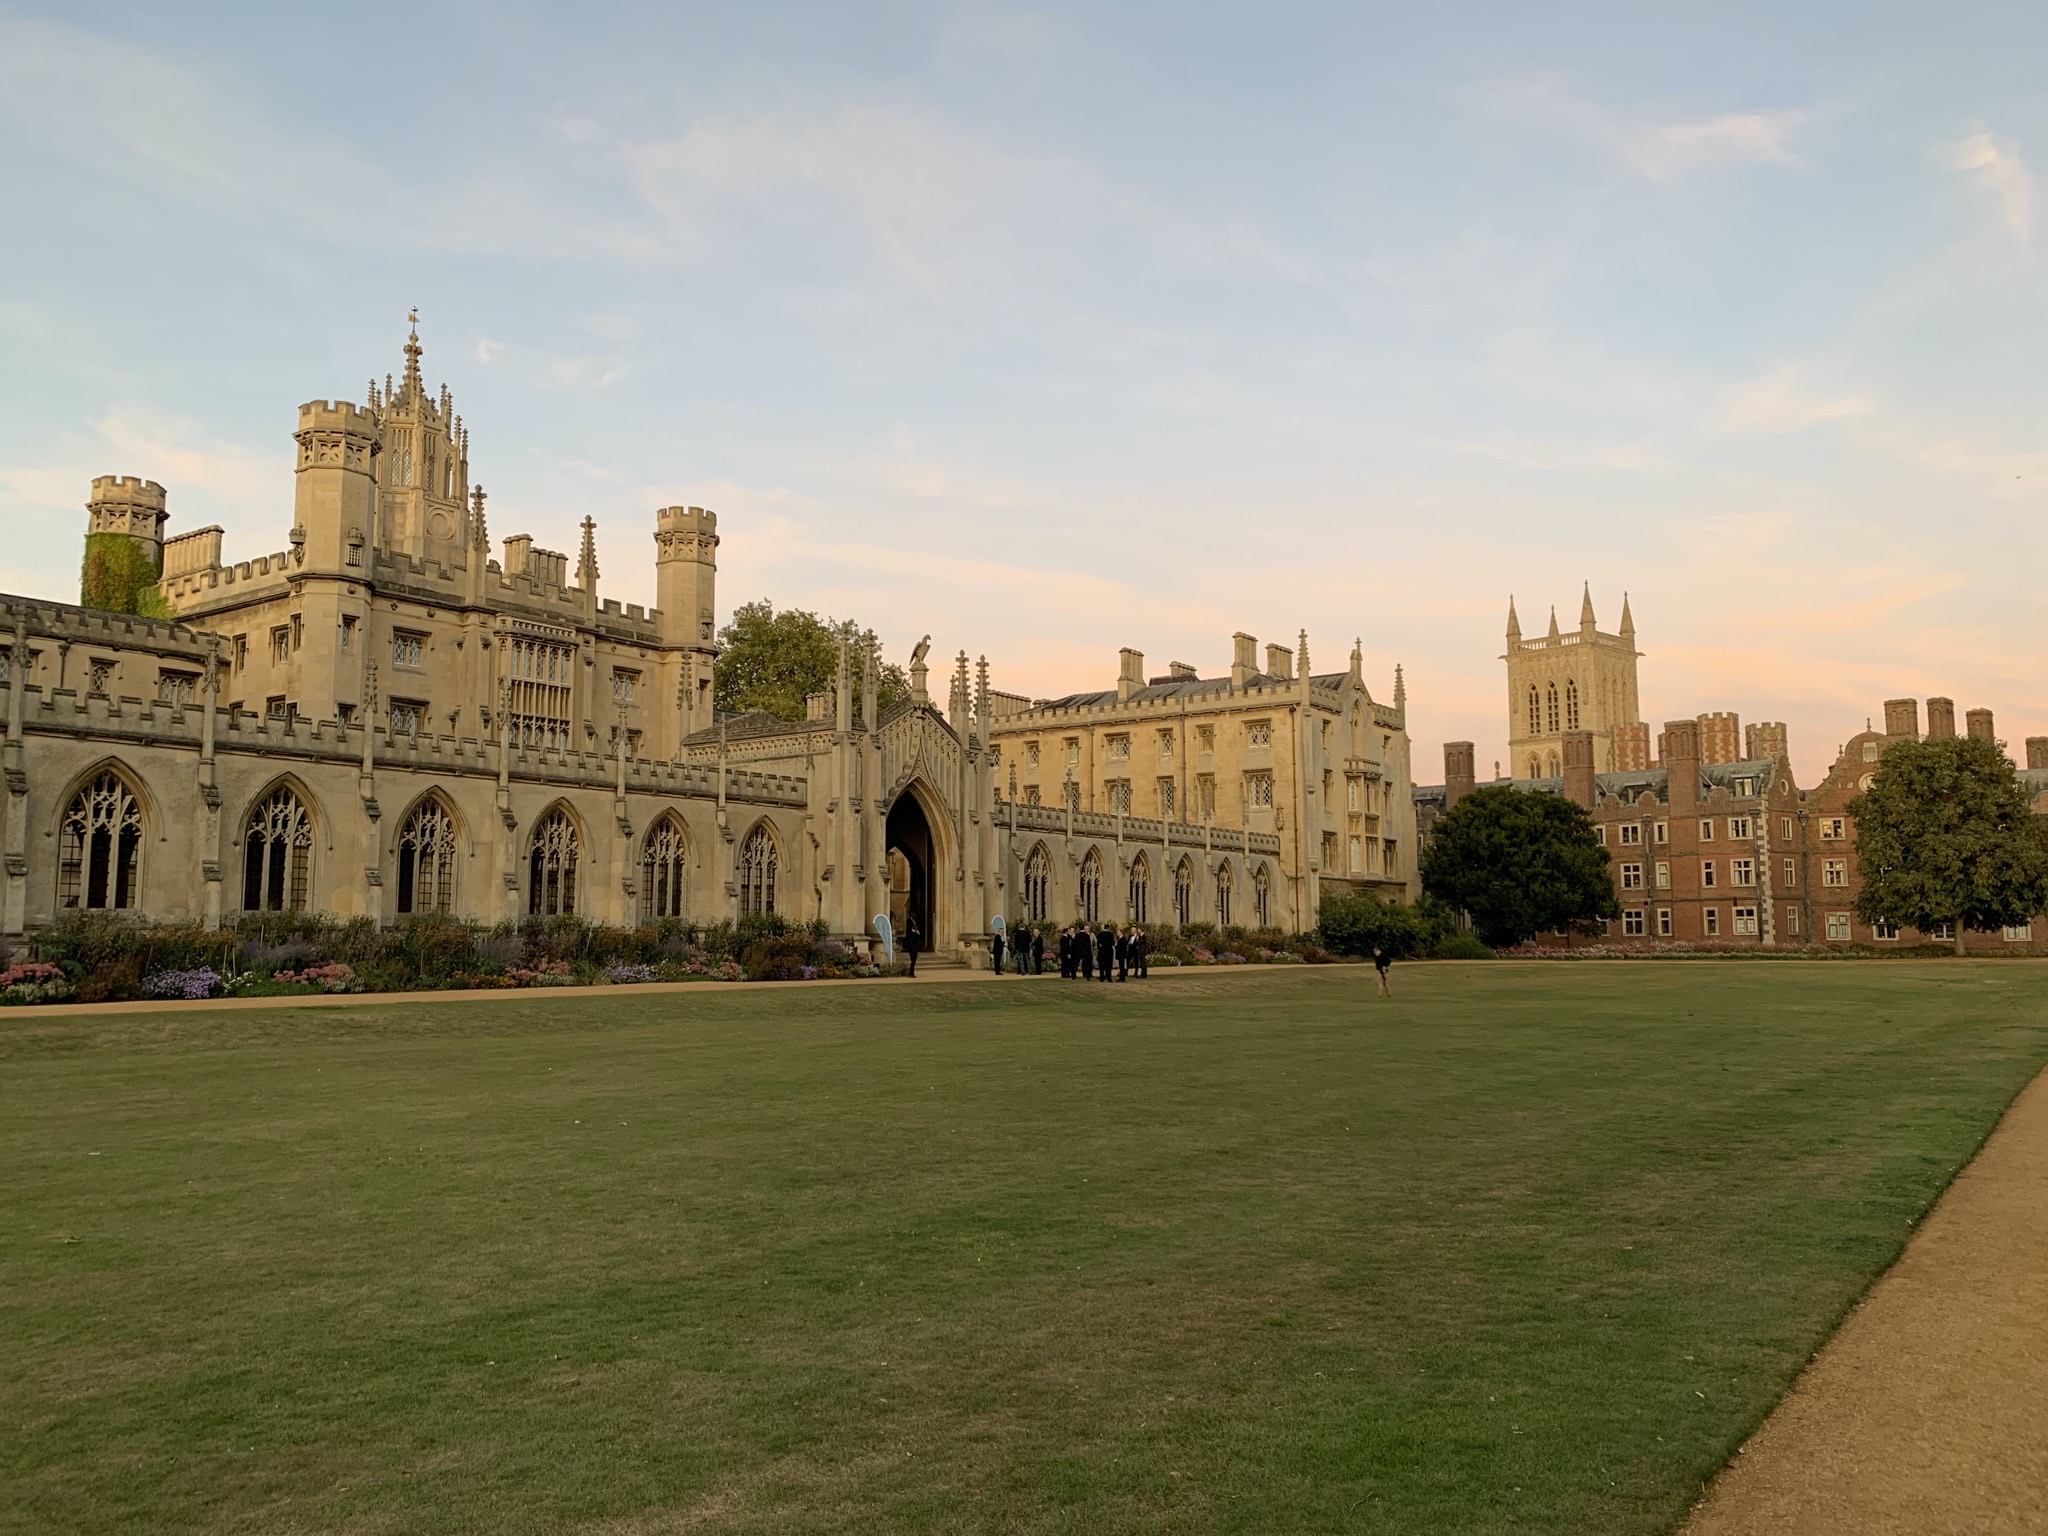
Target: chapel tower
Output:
[
  {"x": 1567, "y": 681},
  {"x": 423, "y": 486}
]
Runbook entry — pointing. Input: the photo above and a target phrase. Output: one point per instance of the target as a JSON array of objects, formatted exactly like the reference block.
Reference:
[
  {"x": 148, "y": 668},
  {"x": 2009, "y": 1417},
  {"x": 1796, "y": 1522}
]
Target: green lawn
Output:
[{"x": 1527, "y": 1248}]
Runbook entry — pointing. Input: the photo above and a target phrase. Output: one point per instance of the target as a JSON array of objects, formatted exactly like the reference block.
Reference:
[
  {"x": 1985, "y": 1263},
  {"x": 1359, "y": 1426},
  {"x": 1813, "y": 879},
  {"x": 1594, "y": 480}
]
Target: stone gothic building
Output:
[{"x": 386, "y": 717}]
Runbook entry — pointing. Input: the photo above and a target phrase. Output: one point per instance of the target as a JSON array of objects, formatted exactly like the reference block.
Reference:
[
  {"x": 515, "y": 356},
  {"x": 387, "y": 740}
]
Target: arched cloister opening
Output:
[{"x": 913, "y": 864}]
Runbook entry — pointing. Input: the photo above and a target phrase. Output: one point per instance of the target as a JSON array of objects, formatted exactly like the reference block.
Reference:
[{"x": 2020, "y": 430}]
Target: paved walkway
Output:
[{"x": 1927, "y": 1413}]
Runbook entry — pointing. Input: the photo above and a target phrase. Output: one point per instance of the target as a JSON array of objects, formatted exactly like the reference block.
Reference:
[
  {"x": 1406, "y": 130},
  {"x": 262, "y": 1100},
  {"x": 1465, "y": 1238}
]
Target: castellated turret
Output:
[
  {"x": 335, "y": 504},
  {"x": 115, "y": 573},
  {"x": 686, "y": 575}
]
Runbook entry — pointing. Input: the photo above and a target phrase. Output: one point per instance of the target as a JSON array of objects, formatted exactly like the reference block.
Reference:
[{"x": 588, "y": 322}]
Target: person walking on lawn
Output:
[
  {"x": 995, "y": 951},
  {"x": 1380, "y": 961},
  {"x": 913, "y": 941}
]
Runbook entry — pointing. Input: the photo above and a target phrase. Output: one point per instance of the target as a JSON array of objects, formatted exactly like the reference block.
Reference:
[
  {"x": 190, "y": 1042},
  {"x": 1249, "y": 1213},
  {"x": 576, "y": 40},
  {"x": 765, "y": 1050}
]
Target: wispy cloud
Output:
[
  {"x": 1659, "y": 150},
  {"x": 1996, "y": 166},
  {"x": 1786, "y": 400},
  {"x": 553, "y": 370}
]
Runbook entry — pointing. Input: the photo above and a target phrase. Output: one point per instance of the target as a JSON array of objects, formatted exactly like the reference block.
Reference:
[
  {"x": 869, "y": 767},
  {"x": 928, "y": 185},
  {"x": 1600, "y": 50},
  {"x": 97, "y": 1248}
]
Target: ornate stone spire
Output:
[
  {"x": 1400, "y": 688},
  {"x": 1553, "y": 621},
  {"x": 479, "y": 536},
  {"x": 586, "y": 562},
  {"x": 1628, "y": 621},
  {"x": 413, "y": 387},
  {"x": 1586, "y": 620},
  {"x": 1514, "y": 624}
]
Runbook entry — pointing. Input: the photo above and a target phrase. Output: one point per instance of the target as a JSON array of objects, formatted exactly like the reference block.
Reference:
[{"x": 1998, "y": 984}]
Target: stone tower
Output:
[
  {"x": 1577, "y": 680},
  {"x": 686, "y": 576},
  {"x": 423, "y": 478},
  {"x": 124, "y": 542},
  {"x": 334, "y": 501}
]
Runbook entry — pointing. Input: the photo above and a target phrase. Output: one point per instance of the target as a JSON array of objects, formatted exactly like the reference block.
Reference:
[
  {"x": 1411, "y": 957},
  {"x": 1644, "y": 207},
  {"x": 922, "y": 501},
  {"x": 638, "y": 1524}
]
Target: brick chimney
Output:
[
  {"x": 1902, "y": 718},
  {"x": 1941, "y": 719},
  {"x": 1977, "y": 723},
  {"x": 2037, "y": 751},
  {"x": 1578, "y": 767},
  {"x": 1682, "y": 764},
  {"x": 1460, "y": 773}
]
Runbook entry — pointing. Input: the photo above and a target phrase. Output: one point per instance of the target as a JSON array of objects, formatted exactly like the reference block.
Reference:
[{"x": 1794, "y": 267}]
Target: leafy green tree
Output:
[
  {"x": 1357, "y": 925},
  {"x": 1520, "y": 863},
  {"x": 774, "y": 661},
  {"x": 1944, "y": 834}
]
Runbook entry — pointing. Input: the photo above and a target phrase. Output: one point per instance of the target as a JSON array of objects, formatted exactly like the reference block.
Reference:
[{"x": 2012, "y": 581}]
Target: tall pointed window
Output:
[
  {"x": 102, "y": 842},
  {"x": 757, "y": 873},
  {"x": 1551, "y": 713},
  {"x": 1535, "y": 712},
  {"x": 1184, "y": 893},
  {"x": 277, "y": 854},
  {"x": 426, "y": 859},
  {"x": 1141, "y": 890},
  {"x": 1224, "y": 882},
  {"x": 661, "y": 870},
  {"x": 1091, "y": 887},
  {"x": 551, "y": 866},
  {"x": 1571, "y": 704},
  {"x": 1262, "y": 897},
  {"x": 1037, "y": 884}
]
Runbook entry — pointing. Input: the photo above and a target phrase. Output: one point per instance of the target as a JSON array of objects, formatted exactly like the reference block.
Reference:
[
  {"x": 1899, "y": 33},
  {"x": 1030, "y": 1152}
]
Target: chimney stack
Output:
[
  {"x": 1279, "y": 661},
  {"x": 1130, "y": 675},
  {"x": 1941, "y": 719},
  {"x": 1720, "y": 737},
  {"x": 1902, "y": 718},
  {"x": 1977, "y": 723},
  {"x": 1681, "y": 752},
  {"x": 2037, "y": 751},
  {"x": 1244, "y": 658},
  {"x": 1460, "y": 773},
  {"x": 1578, "y": 767}
]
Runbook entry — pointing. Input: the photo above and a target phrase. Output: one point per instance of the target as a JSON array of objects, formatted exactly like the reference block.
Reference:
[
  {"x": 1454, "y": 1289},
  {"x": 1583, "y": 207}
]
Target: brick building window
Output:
[
  {"x": 1631, "y": 877},
  {"x": 1834, "y": 872},
  {"x": 1706, "y": 830},
  {"x": 1946, "y": 932},
  {"x": 1745, "y": 920},
  {"x": 1663, "y": 875},
  {"x": 1883, "y": 930},
  {"x": 1711, "y": 920},
  {"x": 1601, "y": 834},
  {"x": 1792, "y": 920},
  {"x": 1791, "y": 873},
  {"x": 1707, "y": 872},
  {"x": 1834, "y": 828},
  {"x": 1739, "y": 827},
  {"x": 2021, "y": 934},
  {"x": 1785, "y": 829},
  {"x": 1838, "y": 927},
  {"x": 1742, "y": 871},
  {"x": 1663, "y": 922},
  {"x": 1663, "y": 832},
  {"x": 1631, "y": 832},
  {"x": 1632, "y": 925}
]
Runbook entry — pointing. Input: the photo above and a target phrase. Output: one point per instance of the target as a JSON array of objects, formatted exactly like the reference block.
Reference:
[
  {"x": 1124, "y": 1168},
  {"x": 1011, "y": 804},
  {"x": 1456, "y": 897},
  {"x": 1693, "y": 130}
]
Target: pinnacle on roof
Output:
[
  {"x": 1553, "y": 621},
  {"x": 586, "y": 562},
  {"x": 1400, "y": 688},
  {"x": 1628, "y": 623},
  {"x": 1586, "y": 620},
  {"x": 413, "y": 386},
  {"x": 1514, "y": 623}
]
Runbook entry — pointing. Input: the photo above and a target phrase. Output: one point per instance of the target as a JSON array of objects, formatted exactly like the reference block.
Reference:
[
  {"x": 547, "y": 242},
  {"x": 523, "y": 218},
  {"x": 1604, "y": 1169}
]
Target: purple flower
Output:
[{"x": 204, "y": 982}]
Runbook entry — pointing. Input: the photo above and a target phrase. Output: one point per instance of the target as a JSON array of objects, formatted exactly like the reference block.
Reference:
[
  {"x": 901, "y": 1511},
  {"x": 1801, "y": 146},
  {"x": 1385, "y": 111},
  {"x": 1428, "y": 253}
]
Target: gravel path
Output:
[{"x": 1928, "y": 1412}]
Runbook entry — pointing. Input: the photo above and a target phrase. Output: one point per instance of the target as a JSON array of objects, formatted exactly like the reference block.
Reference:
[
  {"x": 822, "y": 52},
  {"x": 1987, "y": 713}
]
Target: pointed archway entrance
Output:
[{"x": 913, "y": 857}]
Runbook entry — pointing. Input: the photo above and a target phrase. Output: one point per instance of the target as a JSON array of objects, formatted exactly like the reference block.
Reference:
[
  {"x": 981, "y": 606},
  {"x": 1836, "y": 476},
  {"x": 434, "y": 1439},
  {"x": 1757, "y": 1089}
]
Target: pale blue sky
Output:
[{"x": 1053, "y": 329}]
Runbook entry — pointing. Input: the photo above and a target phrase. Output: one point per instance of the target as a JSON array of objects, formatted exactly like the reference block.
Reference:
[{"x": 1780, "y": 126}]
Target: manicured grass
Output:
[{"x": 1527, "y": 1248}]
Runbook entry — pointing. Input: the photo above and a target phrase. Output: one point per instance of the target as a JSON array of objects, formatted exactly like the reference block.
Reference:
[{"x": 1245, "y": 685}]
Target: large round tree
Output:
[
  {"x": 1945, "y": 834},
  {"x": 1520, "y": 862}
]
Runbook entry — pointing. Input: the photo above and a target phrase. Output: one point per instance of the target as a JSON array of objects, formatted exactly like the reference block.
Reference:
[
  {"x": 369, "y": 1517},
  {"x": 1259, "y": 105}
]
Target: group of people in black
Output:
[{"x": 1110, "y": 952}]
